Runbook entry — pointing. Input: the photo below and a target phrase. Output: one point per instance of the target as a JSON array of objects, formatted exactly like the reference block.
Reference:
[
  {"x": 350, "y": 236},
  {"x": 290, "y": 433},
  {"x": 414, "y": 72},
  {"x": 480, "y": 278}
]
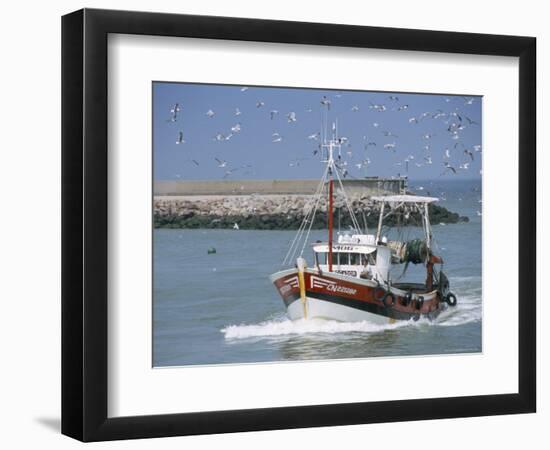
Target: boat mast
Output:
[
  {"x": 330, "y": 200},
  {"x": 331, "y": 168}
]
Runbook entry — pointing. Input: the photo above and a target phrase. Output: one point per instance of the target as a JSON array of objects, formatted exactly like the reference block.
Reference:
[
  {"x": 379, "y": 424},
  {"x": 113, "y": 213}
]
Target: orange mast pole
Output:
[{"x": 330, "y": 189}]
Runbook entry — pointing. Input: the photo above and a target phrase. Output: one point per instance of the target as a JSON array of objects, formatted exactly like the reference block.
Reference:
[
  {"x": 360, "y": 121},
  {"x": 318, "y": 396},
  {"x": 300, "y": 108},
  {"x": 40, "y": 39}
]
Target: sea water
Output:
[{"x": 222, "y": 308}]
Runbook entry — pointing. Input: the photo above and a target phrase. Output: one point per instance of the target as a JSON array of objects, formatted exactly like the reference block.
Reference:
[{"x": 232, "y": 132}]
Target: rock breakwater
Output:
[{"x": 273, "y": 212}]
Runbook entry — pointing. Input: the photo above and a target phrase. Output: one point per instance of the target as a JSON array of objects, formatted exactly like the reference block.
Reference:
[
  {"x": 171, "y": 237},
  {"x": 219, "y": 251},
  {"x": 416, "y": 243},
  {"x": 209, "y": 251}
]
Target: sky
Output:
[{"x": 424, "y": 132}]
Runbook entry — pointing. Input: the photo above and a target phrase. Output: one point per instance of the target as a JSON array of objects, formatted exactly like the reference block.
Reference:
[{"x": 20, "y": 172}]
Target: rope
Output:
[
  {"x": 348, "y": 206},
  {"x": 311, "y": 207}
]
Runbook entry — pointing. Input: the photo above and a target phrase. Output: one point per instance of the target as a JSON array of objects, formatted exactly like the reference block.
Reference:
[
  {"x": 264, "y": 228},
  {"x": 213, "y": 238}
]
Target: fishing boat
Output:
[{"x": 350, "y": 278}]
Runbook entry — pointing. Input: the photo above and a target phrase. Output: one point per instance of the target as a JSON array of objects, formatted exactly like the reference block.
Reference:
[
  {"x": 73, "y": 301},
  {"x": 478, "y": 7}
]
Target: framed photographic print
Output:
[{"x": 274, "y": 224}]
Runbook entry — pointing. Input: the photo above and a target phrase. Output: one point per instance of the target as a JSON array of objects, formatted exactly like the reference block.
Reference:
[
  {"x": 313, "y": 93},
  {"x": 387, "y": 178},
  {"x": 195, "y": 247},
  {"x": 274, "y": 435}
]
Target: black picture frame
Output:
[{"x": 84, "y": 224}]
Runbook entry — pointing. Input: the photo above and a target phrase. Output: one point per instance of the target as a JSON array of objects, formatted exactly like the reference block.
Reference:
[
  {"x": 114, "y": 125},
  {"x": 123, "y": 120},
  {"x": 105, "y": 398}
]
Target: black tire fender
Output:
[
  {"x": 389, "y": 300},
  {"x": 450, "y": 299},
  {"x": 419, "y": 302},
  {"x": 379, "y": 293}
]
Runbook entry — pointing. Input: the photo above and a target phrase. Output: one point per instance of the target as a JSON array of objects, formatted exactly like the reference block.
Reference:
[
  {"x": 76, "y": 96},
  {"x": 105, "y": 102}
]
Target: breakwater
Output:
[{"x": 274, "y": 212}]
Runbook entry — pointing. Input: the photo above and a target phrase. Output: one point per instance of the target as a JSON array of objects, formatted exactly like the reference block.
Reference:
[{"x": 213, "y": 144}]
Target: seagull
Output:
[
  {"x": 355, "y": 108},
  {"x": 389, "y": 134},
  {"x": 424, "y": 115},
  {"x": 229, "y": 136},
  {"x": 447, "y": 153},
  {"x": 180, "y": 138},
  {"x": 236, "y": 128},
  {"x": 393, "y": 98},
  {"x": 220, "y": 137},
  {"x": 403, "y": 108},
  {"x": 390, "y": 146},
  {"x": 273, "y": 113},
  {"x": 210, "y": 113},
  {"x": 448, "y": 167},
  {"x": 244, "y": 89},
  {"x": 470, "y": 121},
  {"x": 464, "y": 166},
  {"x": 379, "y": 108},
  {"x": 221, "y": 163},
  {"x": 314, "y": 136},
  {"x": 295, "y": 162},
  {"x": 291, "y": 116},
  {"x": 342, "y": 140},
  {"x": 375, "y": 124},
  {"x": 477, "y": 148},
  {"x": 428, "y": 135},
  {"x": 428, "y": 159},
  {"x": 229, "y": 172},
  {"x": 174, "y": 111},
  {"x": 259, "y": 104},
  {"x": 468, "y": 100},
  {"x": 276, "y": 137},
  {"x": 413, "y": 120},
  {"x": 238, "y": 112},
  {"x": 325, "y": 102},
  {"x": 469, "y": 152}
]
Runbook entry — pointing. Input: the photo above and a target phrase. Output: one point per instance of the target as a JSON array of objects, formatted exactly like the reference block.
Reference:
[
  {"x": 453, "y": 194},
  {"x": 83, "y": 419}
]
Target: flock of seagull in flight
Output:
[{"x": 452, "y": 122}]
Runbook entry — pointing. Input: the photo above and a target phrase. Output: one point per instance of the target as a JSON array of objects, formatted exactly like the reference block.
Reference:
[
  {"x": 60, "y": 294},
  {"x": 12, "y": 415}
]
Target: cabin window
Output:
[
  {"x": 344, "y": 259},
  {"x": 334, "y": 258},
  {"x": 354, "y": 259}
]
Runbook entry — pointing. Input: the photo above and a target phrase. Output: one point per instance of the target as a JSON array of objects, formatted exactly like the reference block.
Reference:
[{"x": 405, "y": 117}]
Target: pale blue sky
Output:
[{"x": 363, "y": 117}]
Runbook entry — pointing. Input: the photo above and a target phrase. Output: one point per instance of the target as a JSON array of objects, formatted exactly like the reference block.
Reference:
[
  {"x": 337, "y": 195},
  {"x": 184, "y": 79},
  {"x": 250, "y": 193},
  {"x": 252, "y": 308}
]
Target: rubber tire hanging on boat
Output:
[
  {"x": 385, "y": 301},
  {"x": 448, "y": 299},
  {"x": 406, "y": 300},
  {"x": 379, "y": 293},
  {"x": 419, "y": 302}
]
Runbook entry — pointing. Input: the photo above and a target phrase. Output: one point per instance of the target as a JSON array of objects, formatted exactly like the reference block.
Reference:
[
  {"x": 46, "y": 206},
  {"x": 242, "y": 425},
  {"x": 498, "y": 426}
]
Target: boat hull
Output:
[{"x": 347, "y": 299}]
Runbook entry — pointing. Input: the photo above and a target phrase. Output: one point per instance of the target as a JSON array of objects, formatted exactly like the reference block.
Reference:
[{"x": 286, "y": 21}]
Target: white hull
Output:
[{"x": 320, "y": 309}]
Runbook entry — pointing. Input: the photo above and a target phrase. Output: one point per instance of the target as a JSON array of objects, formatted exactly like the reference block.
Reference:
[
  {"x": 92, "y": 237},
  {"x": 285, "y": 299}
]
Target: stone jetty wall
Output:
[{"x": 270, "y": 212}]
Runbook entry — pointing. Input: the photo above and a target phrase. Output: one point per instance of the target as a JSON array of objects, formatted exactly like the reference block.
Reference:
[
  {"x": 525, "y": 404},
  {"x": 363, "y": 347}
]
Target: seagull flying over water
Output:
[
  {"x": 210, "y": 113},
  {"x": 325, "y": 102},
  {"x": 273, "y": 113},
  {"x": 180, "y": 138},
  {"x": 291, "y": 116}
]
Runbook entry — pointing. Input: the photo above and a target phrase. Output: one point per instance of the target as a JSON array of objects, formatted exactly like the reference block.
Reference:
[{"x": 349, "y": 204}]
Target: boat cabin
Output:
[{"x": 355, "y": 255}]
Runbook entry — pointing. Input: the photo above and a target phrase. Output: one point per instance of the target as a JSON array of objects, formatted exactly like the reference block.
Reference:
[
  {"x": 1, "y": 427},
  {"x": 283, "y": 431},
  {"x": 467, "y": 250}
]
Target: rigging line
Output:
[
  {"x": 297, "y": 238},
  {"x": 348, "y": 206},
  {"x": 312, "y": 219}
]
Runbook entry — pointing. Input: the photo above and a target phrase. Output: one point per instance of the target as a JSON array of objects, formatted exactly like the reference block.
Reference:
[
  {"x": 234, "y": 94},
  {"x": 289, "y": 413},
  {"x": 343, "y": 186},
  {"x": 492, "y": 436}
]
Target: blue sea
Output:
[{"x": 222, "y": 309}]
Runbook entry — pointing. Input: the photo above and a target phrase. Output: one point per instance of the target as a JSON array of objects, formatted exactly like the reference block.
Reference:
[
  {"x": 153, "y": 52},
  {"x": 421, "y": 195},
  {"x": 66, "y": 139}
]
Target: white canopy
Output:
[{"x": 405, "y": 199}]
